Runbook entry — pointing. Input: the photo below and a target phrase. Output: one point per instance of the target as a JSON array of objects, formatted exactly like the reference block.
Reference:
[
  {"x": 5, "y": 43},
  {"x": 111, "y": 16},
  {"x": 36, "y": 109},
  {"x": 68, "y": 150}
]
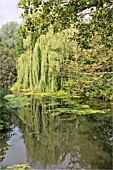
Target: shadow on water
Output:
[
  {"x": 60, "y": 133},
  {"x": 5, "y": 125}
]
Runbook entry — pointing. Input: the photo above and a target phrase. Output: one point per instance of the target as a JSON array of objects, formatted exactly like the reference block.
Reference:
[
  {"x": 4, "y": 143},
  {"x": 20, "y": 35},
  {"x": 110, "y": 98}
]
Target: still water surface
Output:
[{"x": 47, "y": 135}]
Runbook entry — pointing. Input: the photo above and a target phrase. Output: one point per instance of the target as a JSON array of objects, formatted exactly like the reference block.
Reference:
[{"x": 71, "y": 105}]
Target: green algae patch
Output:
[
  {"x": 20, "y": 167},
  {"x": 72, "y": 108},
  {"x": 43, "y": 94},
  {"x": 75, "y": 96},
  {"x": 58, "y": 94},
  {"x": 27, "y": 93},
  {"x": 57, "y": 103},
  {"x": 9, "y": 96},
  {"x": 54, "y": 114},
  {"x": 63, "y": 110},
  {"x": 53, "y": 104},
  {"x": 62, "y": 93},
  {"x": 85, "y": 106},
  {"x": 79, "y": 111},
  {"x": 86, "y": 111},
  {"x": 17, "y": 102}
]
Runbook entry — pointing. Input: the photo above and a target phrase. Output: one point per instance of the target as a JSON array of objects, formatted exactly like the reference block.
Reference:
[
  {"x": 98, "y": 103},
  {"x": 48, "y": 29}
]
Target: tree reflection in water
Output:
[
  {"x": 65, "y": 141},
  {"x": 5, "y": 124},
  {"x": 3, "y": 145}
]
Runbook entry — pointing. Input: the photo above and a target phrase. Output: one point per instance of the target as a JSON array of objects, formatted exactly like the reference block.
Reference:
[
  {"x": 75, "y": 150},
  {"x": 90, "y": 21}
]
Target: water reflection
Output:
[
  {"x": 16, "y": 150},
  {"x": 63, "y": 141},
  {"x": 5, "y": 124},
  {"x": 3, "y": 146},
  {"x": 5, "y": 114},
  {"x": 60, "y": 142}
]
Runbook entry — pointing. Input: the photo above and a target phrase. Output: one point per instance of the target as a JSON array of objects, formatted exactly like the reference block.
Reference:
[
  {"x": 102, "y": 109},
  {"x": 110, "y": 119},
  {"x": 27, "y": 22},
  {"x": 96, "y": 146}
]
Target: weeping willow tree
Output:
[
  {"x": 40, "y": 66},
  {"x": 64, "y": 49}
]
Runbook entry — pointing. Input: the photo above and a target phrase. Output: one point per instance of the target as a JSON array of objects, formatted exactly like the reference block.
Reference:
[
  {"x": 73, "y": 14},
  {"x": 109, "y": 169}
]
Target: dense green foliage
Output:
[
  {"x": 9, "y": 34},
  {"x": 8, "y": 71},
  {"x": 39, "y": 68},
  {"x": 8, "y": 57},
  {"x": 64, "y": 49}
]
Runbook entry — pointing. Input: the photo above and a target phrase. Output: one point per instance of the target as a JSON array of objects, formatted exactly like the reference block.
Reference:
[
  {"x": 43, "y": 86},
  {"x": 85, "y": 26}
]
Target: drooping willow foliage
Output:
[
  {"x": 64, "y": 50},
  {"x": 39, "y": 69}
]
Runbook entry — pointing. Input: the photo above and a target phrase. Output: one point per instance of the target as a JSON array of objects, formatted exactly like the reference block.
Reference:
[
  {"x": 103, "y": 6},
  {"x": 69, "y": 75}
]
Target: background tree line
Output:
[{"x": 10, "y": 48}]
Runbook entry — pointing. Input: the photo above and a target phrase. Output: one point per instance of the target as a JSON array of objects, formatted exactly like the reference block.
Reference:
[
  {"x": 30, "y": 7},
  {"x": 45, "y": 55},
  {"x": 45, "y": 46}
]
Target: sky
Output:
[{"x": 9, "y": 11}]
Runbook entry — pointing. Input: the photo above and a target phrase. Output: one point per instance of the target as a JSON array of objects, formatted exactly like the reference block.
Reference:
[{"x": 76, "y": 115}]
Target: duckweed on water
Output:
[
  {"x": 71, "y": 105},
  {"x": 19, "y": 167},
  {"x": 17, "y": 102},
  {"x": 78, "y": 111}
]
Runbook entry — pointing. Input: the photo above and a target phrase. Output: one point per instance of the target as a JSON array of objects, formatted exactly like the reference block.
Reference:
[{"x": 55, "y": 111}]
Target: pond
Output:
[{"x": 58, "y": 133}]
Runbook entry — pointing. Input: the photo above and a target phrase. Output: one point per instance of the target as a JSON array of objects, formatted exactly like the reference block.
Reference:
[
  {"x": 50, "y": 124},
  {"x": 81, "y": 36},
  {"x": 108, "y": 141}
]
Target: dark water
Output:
[{"x": 47, "y": 135}]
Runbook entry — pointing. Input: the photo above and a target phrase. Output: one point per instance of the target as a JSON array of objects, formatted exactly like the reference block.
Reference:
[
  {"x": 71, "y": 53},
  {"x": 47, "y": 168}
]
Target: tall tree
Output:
[
  {"x": 9, "y": 34},
  {"x": 91, "y": 69},
  {"x": 8, "y": 37}
]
